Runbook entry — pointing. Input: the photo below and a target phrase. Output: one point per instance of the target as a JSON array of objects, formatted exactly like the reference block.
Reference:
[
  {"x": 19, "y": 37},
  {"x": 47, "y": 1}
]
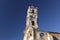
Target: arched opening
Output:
[
  {"x": 32, "y": 11},
  {"x": 33, "y": 23}
]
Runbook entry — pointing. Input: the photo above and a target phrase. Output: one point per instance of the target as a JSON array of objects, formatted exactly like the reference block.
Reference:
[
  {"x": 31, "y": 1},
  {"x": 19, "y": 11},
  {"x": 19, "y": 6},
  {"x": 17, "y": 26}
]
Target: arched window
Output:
[
  {"x": 33, "y": 23},
  {"x": 32, "y": 11}
]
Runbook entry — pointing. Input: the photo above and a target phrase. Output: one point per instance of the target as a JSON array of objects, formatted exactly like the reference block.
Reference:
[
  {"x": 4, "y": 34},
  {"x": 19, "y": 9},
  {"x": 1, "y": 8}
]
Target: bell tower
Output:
[
  {"x": 32, "y": 31},
  {"x": 31, "y": 24},
  {"x": 31, "y": 19}
]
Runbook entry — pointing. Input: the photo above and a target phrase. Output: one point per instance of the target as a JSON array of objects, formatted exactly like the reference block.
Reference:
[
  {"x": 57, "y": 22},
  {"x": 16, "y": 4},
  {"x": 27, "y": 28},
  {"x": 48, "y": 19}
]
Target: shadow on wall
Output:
[{"x": 54, "y": 38}]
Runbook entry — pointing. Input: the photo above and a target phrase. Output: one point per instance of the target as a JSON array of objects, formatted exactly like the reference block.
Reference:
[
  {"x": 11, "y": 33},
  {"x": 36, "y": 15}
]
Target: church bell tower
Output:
[
  {"x": 31, "y": 19},
  {"x": 32, "y": 31},
  {"x": 31, "y": 24}
]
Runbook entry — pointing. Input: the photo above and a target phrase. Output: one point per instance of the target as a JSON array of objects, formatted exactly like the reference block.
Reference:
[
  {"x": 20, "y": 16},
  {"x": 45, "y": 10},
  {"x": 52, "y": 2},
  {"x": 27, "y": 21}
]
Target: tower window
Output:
[
  {"x": 30, "y": 34},
  {"x": 31, "y": 16},
  {"x": 32, "y": 22},
  {"x": 34, "y": 33},
  {"x": 32, "y": 11}
]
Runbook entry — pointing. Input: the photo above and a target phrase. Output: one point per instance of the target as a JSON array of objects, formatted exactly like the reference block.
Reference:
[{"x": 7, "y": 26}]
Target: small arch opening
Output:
[
  {"x": 32, "y": 11},
  {"x": 33, "y": 23}
]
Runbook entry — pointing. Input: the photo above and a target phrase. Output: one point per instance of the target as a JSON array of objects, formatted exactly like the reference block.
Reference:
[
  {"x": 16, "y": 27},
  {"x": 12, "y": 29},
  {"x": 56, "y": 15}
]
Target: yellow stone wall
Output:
[{"x": 56, "y": 36}]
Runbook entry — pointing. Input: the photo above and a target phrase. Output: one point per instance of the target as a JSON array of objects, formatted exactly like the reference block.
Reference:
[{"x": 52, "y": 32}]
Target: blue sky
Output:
[{"x": 13, "y": 17}]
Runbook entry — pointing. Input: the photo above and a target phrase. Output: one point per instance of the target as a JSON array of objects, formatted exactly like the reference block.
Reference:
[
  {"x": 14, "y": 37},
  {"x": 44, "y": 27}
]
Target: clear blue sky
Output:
[{"x": 13, "y": 17}]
